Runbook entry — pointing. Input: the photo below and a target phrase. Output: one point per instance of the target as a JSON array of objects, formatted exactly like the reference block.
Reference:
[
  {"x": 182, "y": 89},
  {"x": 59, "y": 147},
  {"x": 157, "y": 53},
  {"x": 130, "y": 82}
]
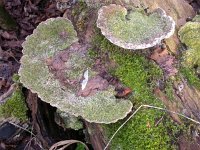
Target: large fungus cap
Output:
[
  {"x": 134, "y": 29},
  {"x": 190, "y": 35},
  {"x": 42, "y": 56}
]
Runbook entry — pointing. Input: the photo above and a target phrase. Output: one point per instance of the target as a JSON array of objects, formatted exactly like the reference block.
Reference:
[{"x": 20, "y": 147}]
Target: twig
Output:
[
  {"x": 147, "y": 106},
  {"x": 32, "y": 134}
]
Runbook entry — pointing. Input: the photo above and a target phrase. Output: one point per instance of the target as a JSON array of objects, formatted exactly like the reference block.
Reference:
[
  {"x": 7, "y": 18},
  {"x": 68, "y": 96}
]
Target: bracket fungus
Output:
[
  {"x": 134, "y": 29},
  {"x": 190, "y": 35},
  {"x": 54, "y": 66}
]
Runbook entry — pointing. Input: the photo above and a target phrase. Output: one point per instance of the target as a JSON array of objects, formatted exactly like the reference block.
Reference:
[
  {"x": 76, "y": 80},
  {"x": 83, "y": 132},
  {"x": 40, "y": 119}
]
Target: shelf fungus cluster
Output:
[
  {"x": 55, "y": 66},
  {"x": 134, "y": 29},
  {"x": 190, "y": 35}
]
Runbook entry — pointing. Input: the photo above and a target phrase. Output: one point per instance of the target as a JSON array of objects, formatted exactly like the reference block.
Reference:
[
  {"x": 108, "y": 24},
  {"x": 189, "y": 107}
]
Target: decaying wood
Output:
[
  {"x": 170, "y": 105},
  {"x": 96, "y": 136},
  {"x": 188, "y": 98},
  {"x": 32, "y": 101}
]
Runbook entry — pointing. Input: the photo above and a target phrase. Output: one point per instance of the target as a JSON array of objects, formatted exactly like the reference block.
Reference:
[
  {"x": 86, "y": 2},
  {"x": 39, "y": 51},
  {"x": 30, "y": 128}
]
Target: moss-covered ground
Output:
[{"x": 144, "y": 130}]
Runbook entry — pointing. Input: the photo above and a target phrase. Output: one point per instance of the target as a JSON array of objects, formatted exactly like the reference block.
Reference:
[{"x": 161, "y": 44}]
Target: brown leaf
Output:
[{"x": 123, "y": 92}]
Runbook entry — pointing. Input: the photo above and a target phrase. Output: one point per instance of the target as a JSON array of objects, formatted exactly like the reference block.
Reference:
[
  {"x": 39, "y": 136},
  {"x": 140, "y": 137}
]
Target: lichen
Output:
[
  {"x": 141, "y": 75},
  {"x": 43, "y": 44},
  {"x": 15, "y": 106},
  {"x": 134, "y": 29},
  {"x": 190, "y": 35}
]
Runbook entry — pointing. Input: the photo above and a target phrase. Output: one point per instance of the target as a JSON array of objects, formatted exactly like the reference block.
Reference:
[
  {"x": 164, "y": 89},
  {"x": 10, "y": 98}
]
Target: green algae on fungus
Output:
[
  {"x": 15, "y": 106},
  {"x": 46, "y": 42},
  {"x": 134, "y": 29},
  {"x": 190, "y": 35}
]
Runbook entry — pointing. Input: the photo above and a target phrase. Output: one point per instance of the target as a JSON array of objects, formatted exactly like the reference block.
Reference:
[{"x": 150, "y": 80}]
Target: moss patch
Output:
[
  {"x": 15, "y": 106},
  {"x": 169, "y": 89},
  {"x": 190, "y": 35},
  {"x": 141, "y": 75},
  {"x": 190, "y": 75}
]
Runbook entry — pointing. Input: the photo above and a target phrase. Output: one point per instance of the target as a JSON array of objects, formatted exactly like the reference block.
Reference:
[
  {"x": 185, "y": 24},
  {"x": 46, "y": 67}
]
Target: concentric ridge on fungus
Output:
[
  {"x": 135, "y": 29},
  {"x": 48, "y": 39}
]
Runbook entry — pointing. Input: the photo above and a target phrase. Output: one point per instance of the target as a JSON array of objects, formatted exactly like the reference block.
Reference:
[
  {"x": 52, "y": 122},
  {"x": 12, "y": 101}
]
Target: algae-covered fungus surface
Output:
[
  {"x": 56, "y": 67},
  {"x": 134, "y": 29}
]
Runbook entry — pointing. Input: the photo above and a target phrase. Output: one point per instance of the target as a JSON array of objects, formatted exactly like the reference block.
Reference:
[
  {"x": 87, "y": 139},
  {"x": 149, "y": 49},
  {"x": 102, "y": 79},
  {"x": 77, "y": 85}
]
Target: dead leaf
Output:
[{"x": 123, "y": 92}]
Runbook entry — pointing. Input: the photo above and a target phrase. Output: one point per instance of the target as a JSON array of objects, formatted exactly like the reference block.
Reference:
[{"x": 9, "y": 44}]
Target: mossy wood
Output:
[{"x": 133, "y": 134}]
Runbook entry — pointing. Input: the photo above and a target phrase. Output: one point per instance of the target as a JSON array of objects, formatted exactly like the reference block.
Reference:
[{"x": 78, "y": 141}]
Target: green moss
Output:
[
  {"x": 190, "y": 35},
  {"x": 15, "y": 106},
  {"x": 141, "y": 75},
  {"x": 133, "y": 69},
  {"x": 15, "y": 78},
  {"x": 191, "y": 77},
  {"x": 143, "y": 132},
  {"x": 169, "y": 89},
  {"x": 80, "y": 147}
]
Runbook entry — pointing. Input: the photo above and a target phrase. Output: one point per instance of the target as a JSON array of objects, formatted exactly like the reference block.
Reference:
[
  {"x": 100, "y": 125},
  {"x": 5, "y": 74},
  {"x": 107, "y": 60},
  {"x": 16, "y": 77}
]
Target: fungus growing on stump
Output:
[
  {"x": 134, "y": 29},
  {"x": 53, "y": 65}
]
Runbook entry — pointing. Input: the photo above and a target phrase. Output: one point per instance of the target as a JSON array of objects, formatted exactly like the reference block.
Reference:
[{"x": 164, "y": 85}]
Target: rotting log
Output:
[{"x": 185, "y": 101}]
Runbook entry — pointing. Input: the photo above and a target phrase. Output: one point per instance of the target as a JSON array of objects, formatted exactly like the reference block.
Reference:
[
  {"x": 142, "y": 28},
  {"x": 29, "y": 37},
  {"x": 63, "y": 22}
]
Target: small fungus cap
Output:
[
  {"x": 48, "y": 39},
  {"x": 134, "y": 29}
]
